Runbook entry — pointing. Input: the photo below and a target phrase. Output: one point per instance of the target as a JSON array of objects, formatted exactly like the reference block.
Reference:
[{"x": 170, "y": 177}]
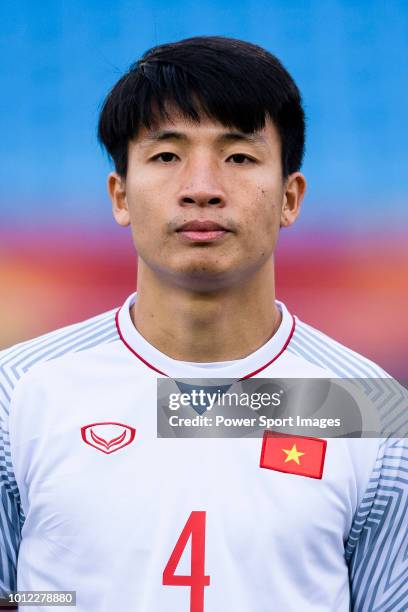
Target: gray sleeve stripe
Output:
[{"x": 376, "y": 550}]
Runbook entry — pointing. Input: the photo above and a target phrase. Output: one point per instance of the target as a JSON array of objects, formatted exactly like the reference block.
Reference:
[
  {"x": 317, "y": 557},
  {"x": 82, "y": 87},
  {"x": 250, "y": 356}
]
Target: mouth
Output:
[{"x": 202, "y": 231}]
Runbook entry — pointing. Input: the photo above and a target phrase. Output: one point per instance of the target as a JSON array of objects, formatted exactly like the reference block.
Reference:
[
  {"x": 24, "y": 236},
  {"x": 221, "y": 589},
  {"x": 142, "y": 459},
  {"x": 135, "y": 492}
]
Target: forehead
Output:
[{"x": 177, "y": 126}]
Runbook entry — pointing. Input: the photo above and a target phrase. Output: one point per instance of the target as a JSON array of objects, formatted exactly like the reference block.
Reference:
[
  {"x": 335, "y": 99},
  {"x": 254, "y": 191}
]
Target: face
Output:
[{"x": 205, "y": 202}]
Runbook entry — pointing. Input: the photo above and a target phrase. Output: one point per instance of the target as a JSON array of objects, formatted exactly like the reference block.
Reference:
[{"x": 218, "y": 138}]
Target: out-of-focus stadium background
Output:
[{"x": 344, "y": 268}]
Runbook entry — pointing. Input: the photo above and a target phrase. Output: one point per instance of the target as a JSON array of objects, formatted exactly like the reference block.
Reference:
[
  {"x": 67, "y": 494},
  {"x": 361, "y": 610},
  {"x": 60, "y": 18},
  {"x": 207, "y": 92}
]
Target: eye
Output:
[
  {"x": 240, "y": 158},
  {"x": 165, "y": 157}
]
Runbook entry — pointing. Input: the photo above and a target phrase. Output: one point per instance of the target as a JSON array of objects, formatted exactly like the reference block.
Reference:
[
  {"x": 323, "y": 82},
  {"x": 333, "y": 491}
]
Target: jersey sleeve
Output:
[
  {"x": 15, "y": 363},
  {"x": 377, "y": 547},
  {"x": 11, "y": 513}
]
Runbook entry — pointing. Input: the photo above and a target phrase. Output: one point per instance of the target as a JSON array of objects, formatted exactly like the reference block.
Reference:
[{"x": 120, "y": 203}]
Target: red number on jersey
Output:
[{"x": 197, "y": 579}]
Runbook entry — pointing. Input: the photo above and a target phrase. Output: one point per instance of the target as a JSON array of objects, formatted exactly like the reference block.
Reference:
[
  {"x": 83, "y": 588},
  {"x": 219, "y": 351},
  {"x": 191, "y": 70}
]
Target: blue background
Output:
[{"x": 60, "y": 58}]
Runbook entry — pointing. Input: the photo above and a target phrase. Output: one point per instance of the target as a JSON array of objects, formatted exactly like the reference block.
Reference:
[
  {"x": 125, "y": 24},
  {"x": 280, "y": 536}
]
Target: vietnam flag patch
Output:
[{"x": 293, "y": 454}]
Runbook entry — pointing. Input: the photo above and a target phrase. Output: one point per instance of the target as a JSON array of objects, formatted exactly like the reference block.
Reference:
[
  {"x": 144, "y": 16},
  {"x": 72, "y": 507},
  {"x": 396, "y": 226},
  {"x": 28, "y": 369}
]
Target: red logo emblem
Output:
[{"x": 108, "y": 437}]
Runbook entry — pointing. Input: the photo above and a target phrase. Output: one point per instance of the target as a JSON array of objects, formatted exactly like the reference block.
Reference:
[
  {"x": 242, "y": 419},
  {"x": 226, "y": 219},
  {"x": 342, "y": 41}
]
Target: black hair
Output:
[{"x": 231, "y": 81}]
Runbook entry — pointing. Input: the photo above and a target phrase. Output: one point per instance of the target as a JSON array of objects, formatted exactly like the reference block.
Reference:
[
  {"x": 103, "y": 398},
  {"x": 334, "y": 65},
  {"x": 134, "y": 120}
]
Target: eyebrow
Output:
[{"x": 235, "y": 136}]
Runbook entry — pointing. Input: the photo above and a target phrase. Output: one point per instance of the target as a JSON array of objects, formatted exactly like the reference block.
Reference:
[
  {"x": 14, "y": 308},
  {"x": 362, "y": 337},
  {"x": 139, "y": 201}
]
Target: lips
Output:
[
  {"x": 201, "y": 231},
  {"x": 201, "y": 226}
]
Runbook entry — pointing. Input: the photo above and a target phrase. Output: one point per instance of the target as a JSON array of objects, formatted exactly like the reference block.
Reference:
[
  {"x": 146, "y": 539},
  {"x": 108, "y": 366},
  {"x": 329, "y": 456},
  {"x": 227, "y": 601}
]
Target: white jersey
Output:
[{"x": 93, "y": 501}]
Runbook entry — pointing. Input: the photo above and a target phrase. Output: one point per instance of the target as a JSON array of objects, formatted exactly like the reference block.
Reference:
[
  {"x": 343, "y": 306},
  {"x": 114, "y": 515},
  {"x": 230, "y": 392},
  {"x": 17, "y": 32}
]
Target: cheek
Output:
[
  {"x": 140, "y": 221},
  {"x": 149, "y": 198},
  {"x": 263, "y": 215},
  {"x": 143, "y": 210}
]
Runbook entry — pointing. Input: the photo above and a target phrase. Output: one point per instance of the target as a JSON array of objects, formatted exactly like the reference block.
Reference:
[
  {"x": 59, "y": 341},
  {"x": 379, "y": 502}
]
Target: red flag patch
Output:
[{"x": 293, "y": 454}]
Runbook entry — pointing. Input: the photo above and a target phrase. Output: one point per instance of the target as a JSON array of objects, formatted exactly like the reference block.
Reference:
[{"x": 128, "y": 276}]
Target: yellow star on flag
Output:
[{"x": 293, "y": 454}]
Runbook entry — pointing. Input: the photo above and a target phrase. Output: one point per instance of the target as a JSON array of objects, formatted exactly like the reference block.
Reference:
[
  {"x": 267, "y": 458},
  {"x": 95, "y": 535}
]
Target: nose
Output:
[{"x": 202, "y": 185}]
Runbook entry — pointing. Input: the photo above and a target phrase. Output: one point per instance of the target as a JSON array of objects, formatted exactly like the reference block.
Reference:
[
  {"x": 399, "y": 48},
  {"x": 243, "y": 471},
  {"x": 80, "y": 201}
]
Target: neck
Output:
[{"x": 206, "y": 327}]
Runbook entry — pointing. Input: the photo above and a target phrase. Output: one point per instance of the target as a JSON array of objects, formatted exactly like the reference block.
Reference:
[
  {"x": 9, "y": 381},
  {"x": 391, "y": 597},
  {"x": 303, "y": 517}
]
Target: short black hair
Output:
[{"x": 231, "y": 81}]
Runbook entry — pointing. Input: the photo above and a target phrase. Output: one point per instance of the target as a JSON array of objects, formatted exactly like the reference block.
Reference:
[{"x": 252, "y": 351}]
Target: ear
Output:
[
  {"x": 294, "y": 190},
  {"x": 117, "y": 193}
]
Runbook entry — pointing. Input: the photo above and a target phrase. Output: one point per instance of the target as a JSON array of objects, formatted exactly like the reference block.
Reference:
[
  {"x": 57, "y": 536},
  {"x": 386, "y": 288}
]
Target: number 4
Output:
[{"x": 197, "y": 579}]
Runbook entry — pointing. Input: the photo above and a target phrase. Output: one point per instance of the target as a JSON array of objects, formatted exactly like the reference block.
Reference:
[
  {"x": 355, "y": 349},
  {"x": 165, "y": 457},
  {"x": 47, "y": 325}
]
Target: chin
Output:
[{"x": 203, "y": 278}]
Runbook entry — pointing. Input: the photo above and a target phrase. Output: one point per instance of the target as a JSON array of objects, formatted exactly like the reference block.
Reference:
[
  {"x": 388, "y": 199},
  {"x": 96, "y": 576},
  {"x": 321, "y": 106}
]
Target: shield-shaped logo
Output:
[{"x": 108, "y": 437}]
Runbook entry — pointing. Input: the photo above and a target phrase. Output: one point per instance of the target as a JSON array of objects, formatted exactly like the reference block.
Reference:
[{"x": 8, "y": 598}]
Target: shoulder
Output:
[
  {"x": 385, "y": 394},
  {"x": 321, "y": 350},
  {"x": 18, "y": 360}
]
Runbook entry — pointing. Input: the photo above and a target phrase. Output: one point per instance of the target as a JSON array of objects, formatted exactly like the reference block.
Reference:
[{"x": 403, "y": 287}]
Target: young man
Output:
[{"x": 207, "y": 137}]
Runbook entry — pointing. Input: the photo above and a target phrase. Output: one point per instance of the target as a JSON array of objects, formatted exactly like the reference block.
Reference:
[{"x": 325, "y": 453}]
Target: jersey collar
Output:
[{"x": 164, "y": 365}]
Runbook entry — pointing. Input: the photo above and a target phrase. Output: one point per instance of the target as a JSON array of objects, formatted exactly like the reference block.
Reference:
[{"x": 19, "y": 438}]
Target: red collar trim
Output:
[
  {"x": 149, "y": 365},
  {"x": 292, "y": 331},
  {"x": 250, "y": 375}
]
